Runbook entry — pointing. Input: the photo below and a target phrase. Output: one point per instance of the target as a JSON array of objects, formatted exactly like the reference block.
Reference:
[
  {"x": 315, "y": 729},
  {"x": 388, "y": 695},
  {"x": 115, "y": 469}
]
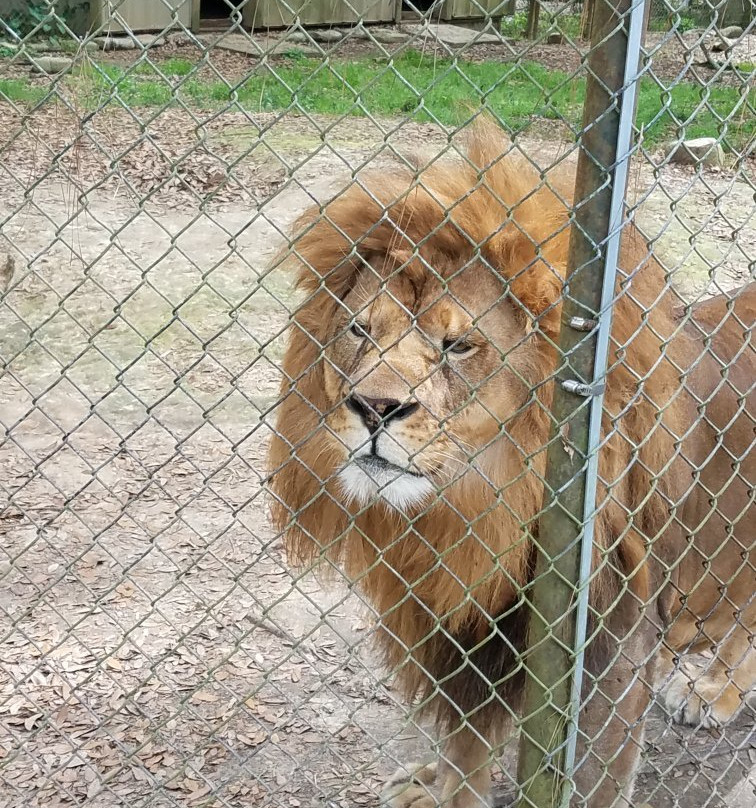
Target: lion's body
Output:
[{"x": 444, "y": 570}]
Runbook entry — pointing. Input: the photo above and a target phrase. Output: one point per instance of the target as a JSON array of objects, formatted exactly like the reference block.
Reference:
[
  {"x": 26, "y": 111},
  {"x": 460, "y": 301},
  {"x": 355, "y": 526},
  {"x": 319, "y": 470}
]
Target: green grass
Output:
[
  {"x": 569, "y": 24},
  {"x": 681, "y": 22},
  {"x": 168, "y": 67},
  {"x": 21, "y": 91},
  {"x": 700, "y": 112},
  {"x": 413, "y": 85}
]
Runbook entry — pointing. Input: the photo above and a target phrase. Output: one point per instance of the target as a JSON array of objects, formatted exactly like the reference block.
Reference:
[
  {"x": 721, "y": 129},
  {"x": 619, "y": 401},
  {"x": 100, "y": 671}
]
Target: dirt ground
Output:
[{"x": 155, "y": 649}]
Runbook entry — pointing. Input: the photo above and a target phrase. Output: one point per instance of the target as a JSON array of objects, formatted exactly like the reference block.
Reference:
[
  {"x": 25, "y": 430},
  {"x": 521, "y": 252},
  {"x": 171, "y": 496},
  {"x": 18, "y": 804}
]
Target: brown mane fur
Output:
[{"x": 483, "y": 537}]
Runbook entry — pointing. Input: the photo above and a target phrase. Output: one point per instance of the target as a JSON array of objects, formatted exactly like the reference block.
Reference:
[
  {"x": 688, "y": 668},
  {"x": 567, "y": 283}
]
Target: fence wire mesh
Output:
[{"x": 168, "y": 171}]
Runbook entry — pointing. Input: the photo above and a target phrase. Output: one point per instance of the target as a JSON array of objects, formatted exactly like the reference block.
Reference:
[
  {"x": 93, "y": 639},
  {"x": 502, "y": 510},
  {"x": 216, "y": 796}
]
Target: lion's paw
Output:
[
  {"x": 411, "y": 786},
  {"x": 701, "y": 699}
]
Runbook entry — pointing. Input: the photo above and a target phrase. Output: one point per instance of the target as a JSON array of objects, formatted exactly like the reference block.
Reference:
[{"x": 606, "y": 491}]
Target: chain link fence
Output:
[{"x": 462, "y": 295}]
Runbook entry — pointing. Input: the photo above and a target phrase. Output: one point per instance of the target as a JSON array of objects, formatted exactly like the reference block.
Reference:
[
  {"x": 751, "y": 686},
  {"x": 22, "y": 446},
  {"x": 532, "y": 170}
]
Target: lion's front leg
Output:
[
  {"x": 612, "y": 722},
  {"x": 466, "y": 771},
  {"x": 710, "y": 695},
  {"x": 411, "y": 785},
  {"x": 461, "y": 779}
]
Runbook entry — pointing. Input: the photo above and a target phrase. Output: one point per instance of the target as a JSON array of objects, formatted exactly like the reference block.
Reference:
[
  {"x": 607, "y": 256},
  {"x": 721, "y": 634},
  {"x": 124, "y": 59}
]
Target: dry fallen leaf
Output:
[
  {"x": 203, "y": 696},
  {"x": 32, "y": 720},
  {"x": 251, "y": 739},
  {"x": 564, "y": 433},
  {"x": 126, "y": 589}
]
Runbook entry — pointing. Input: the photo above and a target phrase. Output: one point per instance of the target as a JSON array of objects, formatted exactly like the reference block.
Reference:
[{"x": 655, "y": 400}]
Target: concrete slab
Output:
[
  {"x": 453, "y": 35},
  {"x": 252, "y": 46},
  {"x": 386, "y": 36}
]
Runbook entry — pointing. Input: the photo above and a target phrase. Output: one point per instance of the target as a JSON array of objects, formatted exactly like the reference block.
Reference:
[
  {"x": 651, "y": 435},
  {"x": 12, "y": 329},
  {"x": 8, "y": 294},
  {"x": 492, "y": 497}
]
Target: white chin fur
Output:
[{"x": 398, "y": 488}]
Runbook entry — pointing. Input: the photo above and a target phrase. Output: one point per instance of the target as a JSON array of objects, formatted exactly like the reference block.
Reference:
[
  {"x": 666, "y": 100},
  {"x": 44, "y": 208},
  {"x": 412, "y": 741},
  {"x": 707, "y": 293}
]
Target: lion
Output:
[{"x": 410, "y": 453}]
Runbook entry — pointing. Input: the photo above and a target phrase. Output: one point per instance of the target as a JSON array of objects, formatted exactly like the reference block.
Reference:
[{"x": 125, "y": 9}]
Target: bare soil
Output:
[{"x": 155, "y": 648}]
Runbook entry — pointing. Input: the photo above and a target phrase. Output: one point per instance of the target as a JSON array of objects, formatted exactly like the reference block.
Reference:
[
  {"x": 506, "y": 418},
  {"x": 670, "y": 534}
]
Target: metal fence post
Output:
[{"x": 559, "y": 593}]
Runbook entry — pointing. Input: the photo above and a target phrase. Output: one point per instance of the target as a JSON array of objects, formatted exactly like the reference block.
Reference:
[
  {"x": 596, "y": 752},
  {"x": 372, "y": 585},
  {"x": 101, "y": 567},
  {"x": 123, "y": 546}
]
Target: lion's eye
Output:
[
  {"x": 457, "y": 346},
  {"x": 358, "y": 330}
]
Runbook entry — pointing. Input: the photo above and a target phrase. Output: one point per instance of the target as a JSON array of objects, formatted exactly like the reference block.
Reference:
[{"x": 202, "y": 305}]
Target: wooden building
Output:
[{"x": 157, "y": 15}]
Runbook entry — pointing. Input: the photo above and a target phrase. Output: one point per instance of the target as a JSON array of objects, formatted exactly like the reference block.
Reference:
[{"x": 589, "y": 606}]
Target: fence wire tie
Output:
[
  {"x": 583, "y": 324},
  {"x": 583, "y": 389}
]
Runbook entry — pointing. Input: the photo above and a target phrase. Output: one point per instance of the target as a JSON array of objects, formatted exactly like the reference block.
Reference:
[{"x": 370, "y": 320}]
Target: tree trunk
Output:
[
  {"x": 586, "y": 23},
  {"x": 534, "y": 13}
]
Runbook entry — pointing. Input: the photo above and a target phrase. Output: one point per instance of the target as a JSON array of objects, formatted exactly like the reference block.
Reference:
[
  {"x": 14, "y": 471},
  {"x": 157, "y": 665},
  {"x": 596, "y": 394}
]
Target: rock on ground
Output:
[
  {"x": 705, "y": 150},
  {"x": 732, "y": 32},
  {"x": 326, "y": 35},
  {"x": 51, "y": 64},
  {"x": 252, "y": 46},
  {"x": 132, "y": 42},
  {"x": 108, "y": 43},
  {"x": 386, "y": 36}
]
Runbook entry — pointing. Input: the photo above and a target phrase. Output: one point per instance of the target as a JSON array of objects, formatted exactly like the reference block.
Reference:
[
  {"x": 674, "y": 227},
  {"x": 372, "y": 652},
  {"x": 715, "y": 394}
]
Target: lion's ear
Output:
[
  {"x": 331, "y": 240},
  {"x": 324, "y": 256},
  {"x": 533, "y": 279}
]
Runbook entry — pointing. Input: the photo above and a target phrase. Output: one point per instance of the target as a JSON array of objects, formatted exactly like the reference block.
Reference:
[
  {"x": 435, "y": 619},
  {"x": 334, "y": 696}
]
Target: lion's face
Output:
[{"x": 419, "y": 375}]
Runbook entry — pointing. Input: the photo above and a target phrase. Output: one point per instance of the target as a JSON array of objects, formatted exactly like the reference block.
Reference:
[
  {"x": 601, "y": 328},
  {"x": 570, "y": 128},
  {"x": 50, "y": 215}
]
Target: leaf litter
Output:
[{"x": 154, "y": 646}]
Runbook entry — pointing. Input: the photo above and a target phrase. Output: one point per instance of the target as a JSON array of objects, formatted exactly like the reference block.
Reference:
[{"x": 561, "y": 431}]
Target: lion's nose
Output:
[{"x": 374, "y": 411}]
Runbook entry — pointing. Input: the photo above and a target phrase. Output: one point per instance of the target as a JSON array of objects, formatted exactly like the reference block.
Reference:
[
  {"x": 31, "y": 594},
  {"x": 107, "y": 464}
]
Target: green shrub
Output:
[{"x": 34, "y": 18}]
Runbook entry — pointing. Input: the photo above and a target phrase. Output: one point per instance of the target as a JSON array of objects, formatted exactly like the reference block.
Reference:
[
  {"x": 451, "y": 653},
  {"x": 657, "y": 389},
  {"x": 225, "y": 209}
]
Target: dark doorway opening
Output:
[
  {"x": 419, "y": 5},
  {"x": 214, "y": 10}
]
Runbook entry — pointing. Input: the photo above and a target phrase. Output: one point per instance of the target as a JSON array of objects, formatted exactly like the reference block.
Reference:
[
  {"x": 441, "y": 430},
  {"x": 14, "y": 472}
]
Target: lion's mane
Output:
[{"x": 452, "y": 629}]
